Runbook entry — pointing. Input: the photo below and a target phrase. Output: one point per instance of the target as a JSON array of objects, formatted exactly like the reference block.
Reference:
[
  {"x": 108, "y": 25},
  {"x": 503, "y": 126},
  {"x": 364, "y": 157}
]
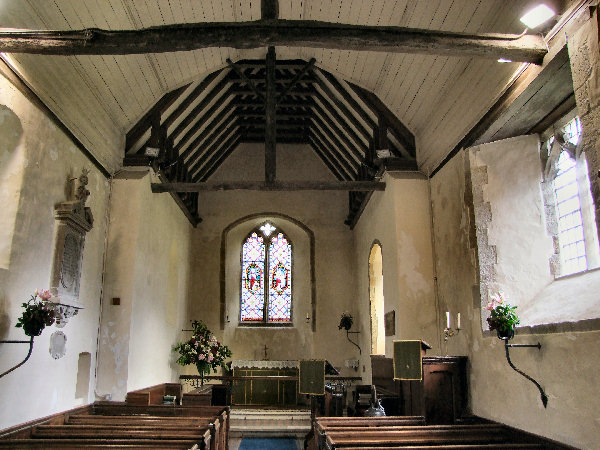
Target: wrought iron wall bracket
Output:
[
  {"x": 30, "y": 342},
  {"x": 544, "y": 397},
  {"x": 348, "y": 336}
]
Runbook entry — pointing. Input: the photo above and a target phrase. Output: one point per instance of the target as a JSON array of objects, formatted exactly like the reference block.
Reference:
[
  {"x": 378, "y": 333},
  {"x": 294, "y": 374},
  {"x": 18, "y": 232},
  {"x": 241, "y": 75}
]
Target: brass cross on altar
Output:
[{"x": 266, "y": 348}]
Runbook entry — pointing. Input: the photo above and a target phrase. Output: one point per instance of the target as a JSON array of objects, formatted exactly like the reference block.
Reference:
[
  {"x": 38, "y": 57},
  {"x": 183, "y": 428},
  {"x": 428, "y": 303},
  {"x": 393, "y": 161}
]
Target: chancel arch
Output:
[{"x": 376, "y": 299}]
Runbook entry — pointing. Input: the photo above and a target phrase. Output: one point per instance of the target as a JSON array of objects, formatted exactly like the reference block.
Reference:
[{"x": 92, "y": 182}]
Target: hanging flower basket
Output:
[
  {"x": 346, "y": 321},
  {"x": 39, "y": 313},
  {"x": 503, "y": 317}
]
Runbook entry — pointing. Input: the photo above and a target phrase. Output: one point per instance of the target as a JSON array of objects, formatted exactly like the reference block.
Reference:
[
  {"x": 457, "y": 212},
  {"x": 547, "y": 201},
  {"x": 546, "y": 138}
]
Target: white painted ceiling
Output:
[{"x": 99, "y": 98}]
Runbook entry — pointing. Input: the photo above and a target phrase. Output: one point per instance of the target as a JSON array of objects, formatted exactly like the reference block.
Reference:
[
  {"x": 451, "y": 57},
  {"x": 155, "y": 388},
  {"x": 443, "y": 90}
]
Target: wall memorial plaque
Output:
[{"x": 73, "y": 221}]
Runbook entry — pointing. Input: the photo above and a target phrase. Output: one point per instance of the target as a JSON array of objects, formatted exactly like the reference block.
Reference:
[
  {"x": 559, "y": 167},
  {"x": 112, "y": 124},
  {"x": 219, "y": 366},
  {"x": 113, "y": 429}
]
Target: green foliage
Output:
[
  {"x": 346, "y": 321},
  {"x": 502, "y": 315},
  {"x": 202, "y": 349},
  {"x": 38, "y": 315}
]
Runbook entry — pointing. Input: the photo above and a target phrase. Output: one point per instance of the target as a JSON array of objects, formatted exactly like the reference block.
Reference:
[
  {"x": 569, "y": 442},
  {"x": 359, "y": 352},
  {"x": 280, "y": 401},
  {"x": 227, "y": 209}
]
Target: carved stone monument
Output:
[{"x": 74, "y": 220}]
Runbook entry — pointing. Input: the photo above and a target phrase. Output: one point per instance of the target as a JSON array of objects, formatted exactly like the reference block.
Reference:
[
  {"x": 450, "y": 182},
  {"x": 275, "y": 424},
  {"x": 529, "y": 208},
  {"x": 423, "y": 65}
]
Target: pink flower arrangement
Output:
[
  {"x": 38, "y": 314},
  {"x": 503, "y": 317},
  {"x": 202, "y": 349}
]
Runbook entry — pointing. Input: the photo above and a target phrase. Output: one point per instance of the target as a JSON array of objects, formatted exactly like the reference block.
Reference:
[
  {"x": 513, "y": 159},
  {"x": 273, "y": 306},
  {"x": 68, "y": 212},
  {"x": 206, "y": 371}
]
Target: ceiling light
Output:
[
  {"x": 537, "y": 16},
  {"x": 502, "y": 60}
]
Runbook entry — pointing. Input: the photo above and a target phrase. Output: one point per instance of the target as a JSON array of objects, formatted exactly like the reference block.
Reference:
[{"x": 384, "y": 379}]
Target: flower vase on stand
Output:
[{"x": 201, "y": 369}]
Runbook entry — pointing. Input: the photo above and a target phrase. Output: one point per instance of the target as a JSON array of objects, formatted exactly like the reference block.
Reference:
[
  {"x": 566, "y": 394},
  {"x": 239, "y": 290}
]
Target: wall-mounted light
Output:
[
  {"x": 503, "y": 60},
  {"x": 537, "y": 16},
  {"x": 152, "y": 152}
]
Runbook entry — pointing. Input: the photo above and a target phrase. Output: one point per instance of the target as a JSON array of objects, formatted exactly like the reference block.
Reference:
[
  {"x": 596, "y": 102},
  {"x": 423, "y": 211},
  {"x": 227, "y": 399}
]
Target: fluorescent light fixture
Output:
[
  {"x": 502, "y": 60},
  {"x": 537, "y": 16}
]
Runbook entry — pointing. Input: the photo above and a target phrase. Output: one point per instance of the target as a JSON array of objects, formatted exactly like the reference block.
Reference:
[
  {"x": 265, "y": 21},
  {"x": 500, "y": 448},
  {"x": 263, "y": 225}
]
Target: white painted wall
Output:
[
  {"x": 564, "y": 366},
  {"x": 149, "y": 245},
  {"x": 399, "y": 219},
  {"x": 323, "y": 213},
  {"x": 36, "y": 160}
]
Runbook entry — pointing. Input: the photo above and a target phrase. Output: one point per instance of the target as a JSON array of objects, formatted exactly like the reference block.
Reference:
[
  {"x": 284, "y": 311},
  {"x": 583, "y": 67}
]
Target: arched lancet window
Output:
[{"x": 266, "y": 291}]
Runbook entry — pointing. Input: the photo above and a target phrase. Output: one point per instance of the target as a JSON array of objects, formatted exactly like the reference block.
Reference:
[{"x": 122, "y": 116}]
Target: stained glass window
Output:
[
  {"x": 280, "y": 279},
  {"x": 253, "y": 289},
  {"x": 266, "y": 294}
]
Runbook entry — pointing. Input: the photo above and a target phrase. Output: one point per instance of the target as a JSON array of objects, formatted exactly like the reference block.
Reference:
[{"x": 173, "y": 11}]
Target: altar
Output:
[{"x": 280, "y": 389}]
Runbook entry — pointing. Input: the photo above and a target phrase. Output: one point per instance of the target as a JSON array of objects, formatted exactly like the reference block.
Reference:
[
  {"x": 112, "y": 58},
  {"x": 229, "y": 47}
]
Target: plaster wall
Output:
[
  {"x": 299, "y": 214},
  {"x": 36, "y": 161},
  {"x": 398, "y": 218},
  {"x": 516, "y": 227},
  {"x": 148, "y": 251},
  {"x": 562, "y": 366}
]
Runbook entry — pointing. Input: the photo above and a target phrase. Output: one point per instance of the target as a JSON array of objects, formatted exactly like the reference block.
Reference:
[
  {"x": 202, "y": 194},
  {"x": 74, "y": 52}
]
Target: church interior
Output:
[{"x": 274, "y": 168}]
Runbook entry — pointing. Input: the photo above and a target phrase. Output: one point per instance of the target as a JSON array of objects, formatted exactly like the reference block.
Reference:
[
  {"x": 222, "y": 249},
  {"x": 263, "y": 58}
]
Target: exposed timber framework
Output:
[{"x": 197, "y": 127}]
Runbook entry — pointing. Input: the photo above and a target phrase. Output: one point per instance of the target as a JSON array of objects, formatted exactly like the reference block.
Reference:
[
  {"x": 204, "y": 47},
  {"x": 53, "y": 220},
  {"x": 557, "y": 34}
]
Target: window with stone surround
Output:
[
  {"x": 266, "y": 278},
  {"x": 569, "y": 205}
]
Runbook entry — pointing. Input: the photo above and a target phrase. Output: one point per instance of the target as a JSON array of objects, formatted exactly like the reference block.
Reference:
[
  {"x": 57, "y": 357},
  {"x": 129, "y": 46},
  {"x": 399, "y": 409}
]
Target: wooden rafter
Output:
[
  {"x": 400, "y": 132},
  {"x": 273, "y": 32},
  {"x": 275, "y": 186},
  {"x": 270, "y": 119},
  {"x": 308, "y": 106}
]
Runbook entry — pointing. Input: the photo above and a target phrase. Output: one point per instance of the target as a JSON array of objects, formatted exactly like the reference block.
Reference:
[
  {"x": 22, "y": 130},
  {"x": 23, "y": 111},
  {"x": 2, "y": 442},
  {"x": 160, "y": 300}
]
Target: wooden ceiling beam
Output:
[
  {"x": 273, "y": 32},
  {"x": 337, "y": 150},
  {"x": 219, "y": 157},
  {"x": 142, "y": 125},
  {"x": 365, "y": 186},
  {"x": 245, "y": 79},
  {"x": 352, "y": 154},
  {"x": 198, "y": 157},
  {"x": 356, "y": 153},
  {"x": 204, "y": 159},
  {"x": 190, "y": 98},
  {"x": 309, "y": 65},
  {"x": 397, "y": 128},
  {"x": 210, "y": 118},
  {"x": 343, "y": 92},
  {"x": 203, "y": 136},
  {"x": 199, "y": 107},
  {"x": 321, "y": 154},
  {"x": 331, "y": 97},
  {"x": 270, "y": 114},
  {"x": 331, "y": 111}
]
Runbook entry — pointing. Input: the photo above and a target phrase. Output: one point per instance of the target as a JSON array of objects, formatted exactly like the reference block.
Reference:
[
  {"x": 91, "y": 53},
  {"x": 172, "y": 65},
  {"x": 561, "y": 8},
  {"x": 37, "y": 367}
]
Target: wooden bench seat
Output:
[
  {"x": 114, "y": 432},
  {"x": 371, "y": 421},
  {"x": 105, "y": 443},
  {"x": 324, "y": 424},
  {"x": 417, "y": 436},
  {"x": 512, "y": 446},
  {"x": 141, "y": 420}
]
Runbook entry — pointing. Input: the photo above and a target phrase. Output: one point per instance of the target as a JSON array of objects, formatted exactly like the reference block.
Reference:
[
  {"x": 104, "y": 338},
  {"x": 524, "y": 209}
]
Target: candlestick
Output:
[
  {"x": 458, "y": 321},
  {"x": 447, "y": 319}
]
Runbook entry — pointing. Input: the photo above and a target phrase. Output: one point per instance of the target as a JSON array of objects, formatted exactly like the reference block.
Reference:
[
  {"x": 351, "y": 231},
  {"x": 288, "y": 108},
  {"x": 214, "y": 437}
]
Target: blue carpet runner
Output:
[{"x": 267, "y": 444}]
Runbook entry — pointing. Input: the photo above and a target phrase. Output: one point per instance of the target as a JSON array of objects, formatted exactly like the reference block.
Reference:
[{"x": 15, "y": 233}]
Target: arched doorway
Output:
[{"x": 376, "y": 300}]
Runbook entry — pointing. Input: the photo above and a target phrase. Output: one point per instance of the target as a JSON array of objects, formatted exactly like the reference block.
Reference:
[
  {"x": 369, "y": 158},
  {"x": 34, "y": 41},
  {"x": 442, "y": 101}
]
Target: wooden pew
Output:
[
  {"x": 323, "y": 424},
  {"x": 201, "y": 444},
  {"x": 122, "y": 408},
  {"x": 511, "y": 446},
  {"x": 153, "y": 395},
  {"x": 217, "y": 424},
  {"x": 418, "y": 436}
]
